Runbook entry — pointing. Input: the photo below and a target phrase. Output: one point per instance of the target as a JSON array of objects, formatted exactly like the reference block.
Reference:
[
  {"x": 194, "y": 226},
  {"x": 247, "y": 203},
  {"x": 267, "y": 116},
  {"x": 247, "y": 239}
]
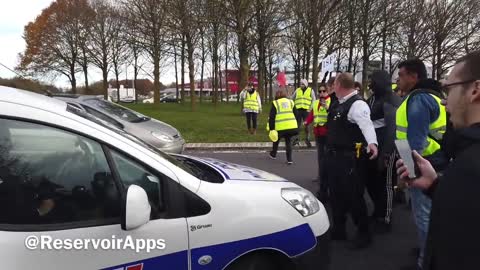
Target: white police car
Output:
[{"x": 66, "y": 176}]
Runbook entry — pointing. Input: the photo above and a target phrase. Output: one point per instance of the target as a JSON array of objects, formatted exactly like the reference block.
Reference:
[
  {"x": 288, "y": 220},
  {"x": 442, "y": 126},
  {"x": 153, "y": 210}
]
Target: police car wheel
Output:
[{"x": 254, "y": 262}]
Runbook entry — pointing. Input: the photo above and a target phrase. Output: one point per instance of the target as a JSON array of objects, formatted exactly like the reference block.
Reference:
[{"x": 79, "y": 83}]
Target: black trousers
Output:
[
  {"x": 251, "y": 117},
  {"x": 379, "y": 185},
  {"x": 345, "y": 183},
  {"x": 320, "y": 141},
  {"x": 288, "y": 144},
  {"x": 301, "y": 116}
]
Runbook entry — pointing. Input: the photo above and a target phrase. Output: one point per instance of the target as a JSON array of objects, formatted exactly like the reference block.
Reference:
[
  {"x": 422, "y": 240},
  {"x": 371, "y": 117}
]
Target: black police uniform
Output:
[{"x": 345, "y": 179}]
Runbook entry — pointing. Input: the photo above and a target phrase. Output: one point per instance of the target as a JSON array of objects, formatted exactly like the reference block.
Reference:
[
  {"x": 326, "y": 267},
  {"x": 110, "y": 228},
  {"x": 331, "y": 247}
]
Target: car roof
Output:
[
  {"x": 74, "y": 97},
  {"x": 32, "y": 99}
]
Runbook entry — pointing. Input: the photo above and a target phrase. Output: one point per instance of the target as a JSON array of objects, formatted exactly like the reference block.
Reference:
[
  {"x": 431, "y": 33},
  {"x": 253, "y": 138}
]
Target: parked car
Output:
[
  {"x": 157, "y": 133},
  {"x": 169, "y": 99},
  {"x": 69, "y": 179},
  {"x": 231, "y": 98}
]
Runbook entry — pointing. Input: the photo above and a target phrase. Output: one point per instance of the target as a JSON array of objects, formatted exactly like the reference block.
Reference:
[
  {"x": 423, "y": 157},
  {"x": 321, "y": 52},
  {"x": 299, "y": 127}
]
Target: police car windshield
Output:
[{"x": 75, "y": 110}]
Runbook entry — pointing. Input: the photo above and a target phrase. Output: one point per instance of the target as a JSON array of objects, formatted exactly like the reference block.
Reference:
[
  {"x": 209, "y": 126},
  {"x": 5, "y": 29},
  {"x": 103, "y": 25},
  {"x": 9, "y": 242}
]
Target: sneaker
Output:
[
  {"x": 308, "y": 143},
  {"x": 272, "y": 156},
  {"x": 289, "y": 162}
]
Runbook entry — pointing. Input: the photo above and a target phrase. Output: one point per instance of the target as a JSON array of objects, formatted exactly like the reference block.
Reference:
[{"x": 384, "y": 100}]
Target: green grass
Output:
[{"x": 207, "y": 124}]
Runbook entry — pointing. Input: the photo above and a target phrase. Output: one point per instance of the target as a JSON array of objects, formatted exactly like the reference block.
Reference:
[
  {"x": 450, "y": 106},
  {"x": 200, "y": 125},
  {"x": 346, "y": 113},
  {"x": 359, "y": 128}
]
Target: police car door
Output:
[{"x": 61, "y": 197}]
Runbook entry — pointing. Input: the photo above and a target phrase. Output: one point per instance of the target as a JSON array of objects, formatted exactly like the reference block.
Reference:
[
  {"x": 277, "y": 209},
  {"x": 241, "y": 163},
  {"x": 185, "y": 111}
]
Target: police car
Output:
[{"x": 66, "y": 175}]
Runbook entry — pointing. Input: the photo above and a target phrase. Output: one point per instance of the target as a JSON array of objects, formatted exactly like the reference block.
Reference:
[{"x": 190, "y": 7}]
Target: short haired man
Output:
[
  {"x": 420, "y": 119},
  {"x": 454, "y": 233},
  {"x": 350, "y": 132}
]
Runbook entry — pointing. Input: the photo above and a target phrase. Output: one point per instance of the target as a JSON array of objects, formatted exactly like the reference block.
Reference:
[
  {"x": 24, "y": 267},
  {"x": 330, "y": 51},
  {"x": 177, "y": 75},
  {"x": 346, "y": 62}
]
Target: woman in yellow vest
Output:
[
  {"x": 251, "y": 106},
  {"x": 318, "y": 116},
  {"x": 282, "y": 119}
]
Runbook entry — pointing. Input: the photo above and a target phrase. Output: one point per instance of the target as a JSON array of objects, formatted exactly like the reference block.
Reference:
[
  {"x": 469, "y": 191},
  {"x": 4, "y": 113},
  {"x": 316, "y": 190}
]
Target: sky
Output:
[
  {"x": 18, "y": 13},
  {"x": 15, "y": 15}
]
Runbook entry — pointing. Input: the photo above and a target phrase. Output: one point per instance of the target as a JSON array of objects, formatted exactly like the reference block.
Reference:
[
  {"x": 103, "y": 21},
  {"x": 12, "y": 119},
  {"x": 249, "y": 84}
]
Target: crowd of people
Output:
[{"x": 355, "y": 140}]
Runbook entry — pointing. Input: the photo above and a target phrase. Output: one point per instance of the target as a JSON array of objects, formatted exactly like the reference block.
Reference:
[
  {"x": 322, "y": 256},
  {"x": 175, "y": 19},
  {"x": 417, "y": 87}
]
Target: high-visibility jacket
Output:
[
  {"x": 436, "y": 129},
  {"x": 303, "y": 99},
  {"x": 320, "y": 115},
  {"x": 394, "y": 87},
  {"x": 251, "y": 101},
  {"x": 285, "y": 118}
]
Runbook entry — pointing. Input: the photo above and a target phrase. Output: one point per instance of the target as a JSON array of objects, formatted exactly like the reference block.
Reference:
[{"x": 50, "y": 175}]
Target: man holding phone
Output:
[
  {"x": 421, "y": 119},
  {"x": 454, "y": 232}
]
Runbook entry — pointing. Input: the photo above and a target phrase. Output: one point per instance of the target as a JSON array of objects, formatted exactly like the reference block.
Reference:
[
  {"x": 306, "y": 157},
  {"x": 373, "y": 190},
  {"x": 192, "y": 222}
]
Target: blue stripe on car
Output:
[{"x": 292, "y": 242}]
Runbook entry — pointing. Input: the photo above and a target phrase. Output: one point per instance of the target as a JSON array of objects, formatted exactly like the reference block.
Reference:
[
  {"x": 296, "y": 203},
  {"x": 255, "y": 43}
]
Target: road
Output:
[{"x": 389, "y": 252}]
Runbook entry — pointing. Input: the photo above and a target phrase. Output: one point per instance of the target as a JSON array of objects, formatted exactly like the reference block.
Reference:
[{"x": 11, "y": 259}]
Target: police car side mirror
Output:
[{"x": 136, "y": 208}]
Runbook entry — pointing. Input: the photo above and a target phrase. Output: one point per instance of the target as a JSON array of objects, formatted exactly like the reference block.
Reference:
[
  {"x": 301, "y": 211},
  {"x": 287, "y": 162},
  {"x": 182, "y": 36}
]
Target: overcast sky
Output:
[{"x": 18, "y": 13}]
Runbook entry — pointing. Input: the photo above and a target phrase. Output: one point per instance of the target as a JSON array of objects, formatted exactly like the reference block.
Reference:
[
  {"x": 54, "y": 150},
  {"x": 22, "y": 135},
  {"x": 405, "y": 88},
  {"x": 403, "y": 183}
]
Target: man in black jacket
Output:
[
  {"x": 379, "y": 178},
  {"x": 454, "y": 231}
]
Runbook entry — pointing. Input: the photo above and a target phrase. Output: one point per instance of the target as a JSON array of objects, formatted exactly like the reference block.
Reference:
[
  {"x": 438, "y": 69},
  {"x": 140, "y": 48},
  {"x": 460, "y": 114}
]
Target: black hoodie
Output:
[
  {"x": 454, "y": 233},
  {"x": 383, "y": 105}
]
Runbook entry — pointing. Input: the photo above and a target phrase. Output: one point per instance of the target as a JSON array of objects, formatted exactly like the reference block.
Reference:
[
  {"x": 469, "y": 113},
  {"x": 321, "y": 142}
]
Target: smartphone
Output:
[{"x": 406, "y": 155}]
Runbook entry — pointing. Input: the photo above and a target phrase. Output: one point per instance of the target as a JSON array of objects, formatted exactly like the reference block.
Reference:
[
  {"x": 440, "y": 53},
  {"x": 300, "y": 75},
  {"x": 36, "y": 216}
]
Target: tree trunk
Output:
[
  {"x": 316, "y": 52},
  {"x": 366, "y": 59},
  {"x": 105, "y": 83},
  {"x": 227, "y": 90},
  {"x": 176, "y": 71},
  {"x": 156, "y": 79},
  {"x": 182, "y": 70},
  {"x": 73, "y": 81},
  {"x": 244, "y": 66},
  {"x": 191, "y": 69},
  {"x": 202, "y": 66},
  {"x": 271, "y": 80}
]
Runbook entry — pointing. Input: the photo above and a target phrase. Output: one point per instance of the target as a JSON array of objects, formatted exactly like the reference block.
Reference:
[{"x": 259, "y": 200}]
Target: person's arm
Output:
[
  {"x": 390, "y": 128},
  {"x": 294, "y": 95},
  {"x": 360, "y": 114},
  {"x": 422, "y": 110},
  {"x": 259, "y": 100},
  {"x": 309, "y": 118},
  {"x": 271, "y": 117}
]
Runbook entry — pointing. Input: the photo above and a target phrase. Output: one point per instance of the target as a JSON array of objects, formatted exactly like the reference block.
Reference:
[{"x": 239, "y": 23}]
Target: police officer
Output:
[
  {"x": 351, "y": 140},
  {"x": 282, "y": 119},
  {"x": 304, "y": 98}
]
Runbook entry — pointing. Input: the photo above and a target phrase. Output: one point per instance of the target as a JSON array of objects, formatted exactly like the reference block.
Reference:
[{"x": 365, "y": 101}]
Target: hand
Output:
[
  {"x": 372, "y": 148},
  {"x": 46, "y": 206},
  {"x": 428, "y": 174}
]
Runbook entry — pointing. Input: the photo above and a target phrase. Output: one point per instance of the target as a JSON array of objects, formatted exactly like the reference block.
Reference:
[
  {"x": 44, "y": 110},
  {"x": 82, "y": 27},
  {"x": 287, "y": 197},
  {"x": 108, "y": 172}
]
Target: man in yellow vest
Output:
[
  {"x": 421, "y": 119},
  {"x": 304, "y": 98},
  {"x": 282, "y": 119},
  {"x": 318, "y": 116},
  {"x": 251, "y": 106}
]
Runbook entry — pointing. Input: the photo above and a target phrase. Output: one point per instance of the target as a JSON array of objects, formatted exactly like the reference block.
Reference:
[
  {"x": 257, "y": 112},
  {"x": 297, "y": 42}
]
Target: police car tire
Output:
[{"x": 253, "y": 262}]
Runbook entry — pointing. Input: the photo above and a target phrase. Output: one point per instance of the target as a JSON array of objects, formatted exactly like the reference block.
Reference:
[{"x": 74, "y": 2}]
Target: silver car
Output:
[{"x": 157, "y": 133}]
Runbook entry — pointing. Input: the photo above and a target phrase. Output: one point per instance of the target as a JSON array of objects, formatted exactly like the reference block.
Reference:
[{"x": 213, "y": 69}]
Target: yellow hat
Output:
[{"x": 273, "y": 135}]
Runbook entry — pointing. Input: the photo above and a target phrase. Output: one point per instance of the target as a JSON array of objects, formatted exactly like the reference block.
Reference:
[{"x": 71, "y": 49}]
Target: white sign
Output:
[{"x": 328, "y": 63}]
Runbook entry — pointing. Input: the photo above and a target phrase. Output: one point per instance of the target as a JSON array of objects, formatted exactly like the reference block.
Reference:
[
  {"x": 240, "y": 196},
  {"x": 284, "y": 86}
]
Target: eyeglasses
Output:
[
  {"x": 322, "y": 91},
  {"x": 446, "y": 87}
]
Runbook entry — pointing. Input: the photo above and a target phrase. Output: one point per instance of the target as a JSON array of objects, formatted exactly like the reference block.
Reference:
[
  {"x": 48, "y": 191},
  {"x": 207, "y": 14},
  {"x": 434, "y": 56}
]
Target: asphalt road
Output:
[{"x": 388, "y": 252}]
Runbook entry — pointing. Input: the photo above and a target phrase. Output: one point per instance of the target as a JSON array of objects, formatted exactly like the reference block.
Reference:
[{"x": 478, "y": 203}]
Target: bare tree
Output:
[{"x": 149, "y": 22}]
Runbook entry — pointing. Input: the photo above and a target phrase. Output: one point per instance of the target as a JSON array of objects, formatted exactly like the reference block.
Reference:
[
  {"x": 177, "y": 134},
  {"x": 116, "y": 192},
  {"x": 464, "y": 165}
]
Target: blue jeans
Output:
[{"x": 421, "y": 206}]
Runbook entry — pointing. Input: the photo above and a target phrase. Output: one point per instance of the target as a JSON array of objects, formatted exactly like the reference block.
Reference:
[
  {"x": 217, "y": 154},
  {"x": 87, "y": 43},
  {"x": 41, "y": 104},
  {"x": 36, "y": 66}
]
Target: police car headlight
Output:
[
  {"x": 162, "y": 137},
  {"x": 302, "y": 200}
]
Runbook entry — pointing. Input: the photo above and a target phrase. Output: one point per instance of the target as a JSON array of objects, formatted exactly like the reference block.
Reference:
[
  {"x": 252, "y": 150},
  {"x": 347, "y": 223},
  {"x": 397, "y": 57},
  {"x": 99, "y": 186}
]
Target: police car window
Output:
[
  {"x": 103, "y": 117},
  {"x": 132, "y": 173},
  {"x": 51, "y": 176}
]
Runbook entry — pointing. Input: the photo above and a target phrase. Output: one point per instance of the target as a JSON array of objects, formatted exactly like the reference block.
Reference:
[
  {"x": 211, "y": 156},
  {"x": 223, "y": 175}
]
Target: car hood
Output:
[
  {"x": 157, "y": 126},
  {"x": 232, "y": 171}
]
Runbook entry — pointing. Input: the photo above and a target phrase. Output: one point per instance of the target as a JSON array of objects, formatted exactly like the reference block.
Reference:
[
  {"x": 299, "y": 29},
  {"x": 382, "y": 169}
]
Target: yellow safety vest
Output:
[
  {"x": 436, "y": 129},
  {"x": 320, "y": 115},
  {"x": 303, "y": 99},
  {"x": 285, "y": 119},
  {"x": 251, "y": 101},
  {"x": 394, "y": 87}
]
